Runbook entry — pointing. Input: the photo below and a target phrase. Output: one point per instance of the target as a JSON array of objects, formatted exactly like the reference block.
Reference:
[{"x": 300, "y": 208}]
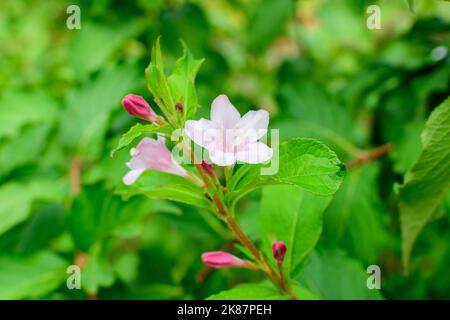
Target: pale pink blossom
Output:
[
  {"x": 137, "y": 106},
  {"x": 151, "y": 154},
  {"x": 228, "y": 137},
  {"x": 221, "y": 259}
]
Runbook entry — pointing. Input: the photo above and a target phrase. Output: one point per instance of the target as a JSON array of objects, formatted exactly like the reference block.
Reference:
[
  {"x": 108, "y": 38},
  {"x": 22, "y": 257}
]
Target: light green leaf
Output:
[
  {"x": 24, "y": 149},
  {"x": 94, "y": 43},
  {"x": 97, "y": 273},
  {"x": 426, "y": 185},
  {"x": 18, "y": 109},
  {"x": 136, "y": 131},
  {"x": 126, "y": 266},
  {"x": 294, "y": 216},
  {"x": 178, "y": 87},
  {"x": 302, "y": 293},
  {"x": 182, "y": 82},
  {"x": 157, "y": 82},
  {"x": 408, "y": 148},
  {"x": 16, "y": 199},
  {"x": 249, "y": 291},
  {"x": 303, "y": 162},
  {"x": 30, "y": 277},
  {"x": 412, "y": 5},
  {"x": 160, "y": 185},
  {"x": 332, "y": 274},
  {"x": 84, "y": 122}
]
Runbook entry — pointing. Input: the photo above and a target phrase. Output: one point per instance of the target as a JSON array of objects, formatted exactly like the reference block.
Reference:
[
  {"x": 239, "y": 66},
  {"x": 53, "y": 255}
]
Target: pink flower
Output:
[
  {"x": 137, "y": 106},
  {"x": 152, "y": 154},
  {"x": 228, "y": 137},
  {"x": 279, "y": 250},
  {"x": 221, "y": 259}
]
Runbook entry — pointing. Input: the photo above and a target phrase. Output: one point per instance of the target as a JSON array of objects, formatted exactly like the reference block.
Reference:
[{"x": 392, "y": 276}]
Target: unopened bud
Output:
[
  {"x": 221, "y": 259},
  {"x": 279, "y": 250},
  {"x": 136, "y": 106},
  {"x": 179, "y": 107},
  {"x": 207, "y": 167}
]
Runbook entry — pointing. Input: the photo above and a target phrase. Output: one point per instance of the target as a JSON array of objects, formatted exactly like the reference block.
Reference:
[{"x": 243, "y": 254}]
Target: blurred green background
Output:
[{"x": 314, "y": 65}]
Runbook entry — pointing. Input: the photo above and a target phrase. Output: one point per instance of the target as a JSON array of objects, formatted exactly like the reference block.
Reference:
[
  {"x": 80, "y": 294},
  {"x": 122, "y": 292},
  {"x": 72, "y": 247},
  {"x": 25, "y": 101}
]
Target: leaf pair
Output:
[{"x": 178, "y": 88}]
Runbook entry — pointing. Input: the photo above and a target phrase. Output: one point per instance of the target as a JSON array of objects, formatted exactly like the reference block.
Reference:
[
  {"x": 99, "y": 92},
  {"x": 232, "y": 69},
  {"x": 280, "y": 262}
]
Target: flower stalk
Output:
[{"x": 223, "y": 213}]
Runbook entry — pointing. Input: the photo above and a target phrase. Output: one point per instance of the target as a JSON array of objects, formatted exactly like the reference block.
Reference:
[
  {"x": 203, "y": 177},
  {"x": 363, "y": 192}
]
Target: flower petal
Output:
[
  {"x": 203, "y": 132},
  {"x": 253, "y": 153},
  {"x": 132, "y": 176},
  {"x": 224, "y": 113},
  {"x": 253, "y": 125},
  {"x": 221, "y": 158}
]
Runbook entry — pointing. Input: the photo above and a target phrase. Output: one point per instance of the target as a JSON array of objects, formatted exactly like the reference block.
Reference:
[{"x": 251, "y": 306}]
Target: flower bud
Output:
[
  {"x": 207, "y": 167},
  {"x": 279, "y": 250},
  {"x": 136, "y": 106},
  {"x": 221, "y": 259},
  {"x": 179, "y": 107}
]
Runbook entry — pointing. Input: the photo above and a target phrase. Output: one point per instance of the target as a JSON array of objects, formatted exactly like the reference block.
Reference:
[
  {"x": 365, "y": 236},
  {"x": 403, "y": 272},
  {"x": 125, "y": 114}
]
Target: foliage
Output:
[{"x": 336, "y": 91}]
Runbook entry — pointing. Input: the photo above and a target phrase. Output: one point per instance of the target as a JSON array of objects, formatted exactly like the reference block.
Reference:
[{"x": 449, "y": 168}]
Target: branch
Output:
[{"x": 368, "y": 156}]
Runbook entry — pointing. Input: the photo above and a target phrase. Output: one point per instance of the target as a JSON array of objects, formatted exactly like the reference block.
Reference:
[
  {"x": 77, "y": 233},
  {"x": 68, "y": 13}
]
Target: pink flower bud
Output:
[
  {"x": 136, "y": 106},
  {"x": 279, "y": 250},
  {"x": 221, "y": 259},
  {"x": 207, "y": 167}
]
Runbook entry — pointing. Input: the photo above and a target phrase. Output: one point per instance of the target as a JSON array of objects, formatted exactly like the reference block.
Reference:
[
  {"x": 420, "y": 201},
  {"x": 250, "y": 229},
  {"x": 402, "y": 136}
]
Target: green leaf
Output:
[
  {"x": 182, "y": 82},
  {"x": 30, "y": 277},
  {"x": 46, "y": 224},
  {"x": 23, "y": 149},
  {"x": 178, "y": 87},
  {"x": 318, "y": 115},
  {"x": 157, "y": 82},
  {"x": 426, "y": 185},
  {"x": 412, "y": 5},
  {"x": 303, "y": 162},
  {"x": 294, "y": 216},
  {"x": 267, "y": 21},
  {"x": 84, "y": 122},
  {"x": 332, "y": 274},
  {"x": 249, "y": 291},
  {"x": 96, "y": 213},
  {"x": 126, "y": 266},
  {"x": 18, "y": 109},
  {"x": 16, "y": 199},
  {"x": 136, "y": 131},
  {"x": 160, "y": 185},
  {"x": 94, "y": 43},
  {"x": 97, "y": 273},
  {"x": 408, "y": 148},
  {"x": 355, "y": 217},
  {"x": 302, "y": 293}
]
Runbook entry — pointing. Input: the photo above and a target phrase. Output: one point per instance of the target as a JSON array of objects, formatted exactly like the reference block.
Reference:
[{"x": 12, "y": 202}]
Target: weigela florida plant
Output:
[{"x": 231, "y": 146}]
